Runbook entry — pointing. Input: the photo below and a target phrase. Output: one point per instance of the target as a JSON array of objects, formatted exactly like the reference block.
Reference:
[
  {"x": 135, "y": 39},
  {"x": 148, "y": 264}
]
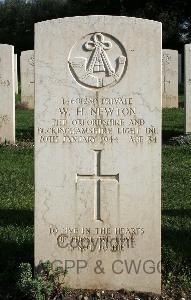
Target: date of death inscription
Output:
[{"x": 105, "y": 120}]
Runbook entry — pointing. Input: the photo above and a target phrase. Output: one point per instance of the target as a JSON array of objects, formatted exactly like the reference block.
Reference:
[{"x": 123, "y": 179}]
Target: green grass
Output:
[
  {"x": 173, "y": 123},
  {"x": 176, "y": 214},
  {"x": 18, "y": 98},
  {"x": 17, "y": 201},
  {"x": 181, "y": 100},
  {"x": 16, "y": 212},
  {"x": 173, "y": 120},
  {"x": 24, "y": 125}
]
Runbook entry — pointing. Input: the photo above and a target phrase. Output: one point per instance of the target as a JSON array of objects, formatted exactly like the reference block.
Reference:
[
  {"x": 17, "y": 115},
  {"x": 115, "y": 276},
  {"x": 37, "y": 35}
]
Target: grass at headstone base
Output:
[
  {"x": 18, "y": 98},
  {"x": 25, "y": 125},
  {"x": 17, "y": 206}
]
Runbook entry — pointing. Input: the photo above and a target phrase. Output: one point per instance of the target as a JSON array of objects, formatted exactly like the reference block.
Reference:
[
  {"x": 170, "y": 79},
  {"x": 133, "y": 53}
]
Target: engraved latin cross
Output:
[{"x": 98, "y": 178}]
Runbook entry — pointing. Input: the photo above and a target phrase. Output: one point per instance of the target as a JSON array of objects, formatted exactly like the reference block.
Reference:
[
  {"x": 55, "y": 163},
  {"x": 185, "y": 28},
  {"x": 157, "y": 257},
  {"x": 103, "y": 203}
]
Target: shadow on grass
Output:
[
  {"x": 172, "y": 123},
  {"x": 181, "y": 104},
  {"x": 14, "y": 251},
  {"x": 177, "y": 212},
  {"x": 168, "y": 134},
  {"x": 16, "y": 217},
  {"x": 25, "y": 134},
  {"x": 179, "y": 241},
  {"x": 176, "y": 249},
  {"x": 11, "y": 256}
]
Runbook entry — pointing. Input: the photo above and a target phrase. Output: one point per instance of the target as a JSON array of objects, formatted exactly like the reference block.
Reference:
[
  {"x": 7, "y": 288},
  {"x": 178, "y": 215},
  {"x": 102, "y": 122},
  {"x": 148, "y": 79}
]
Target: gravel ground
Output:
[{"x": 123, "y": 295}]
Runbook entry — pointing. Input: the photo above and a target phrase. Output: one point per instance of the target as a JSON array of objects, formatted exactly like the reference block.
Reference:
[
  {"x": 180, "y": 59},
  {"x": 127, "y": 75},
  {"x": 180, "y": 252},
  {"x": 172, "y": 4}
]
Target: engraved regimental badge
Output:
[{"x": 97, "y": 60}]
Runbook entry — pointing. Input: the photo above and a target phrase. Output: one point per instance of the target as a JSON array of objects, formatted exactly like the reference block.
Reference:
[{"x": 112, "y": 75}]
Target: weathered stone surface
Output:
[
  {"x": 98, "y": 150},
  {"x": 27, "y": 78},
  {"x": 16, "y": 75},
  {"x": 179, "y": 68},
  {"x": 170, "y": 78},
  {"x": 7, "y": 94},
  {"x": 187, "y": 85}
]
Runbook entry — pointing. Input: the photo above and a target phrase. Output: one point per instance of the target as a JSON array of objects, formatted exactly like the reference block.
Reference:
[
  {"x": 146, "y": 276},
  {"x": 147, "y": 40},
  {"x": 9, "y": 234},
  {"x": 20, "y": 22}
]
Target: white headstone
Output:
[
  {"x": 170, "y": 78},
  {"x": 7, "y": 94},
  {"x": 187, "y": 85},
  {"x": 98, "y": 150},
  {"x": 27, "y": 78},
  {"x": 16, "y": 75},
  {"x": 179, "y": 68}
]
